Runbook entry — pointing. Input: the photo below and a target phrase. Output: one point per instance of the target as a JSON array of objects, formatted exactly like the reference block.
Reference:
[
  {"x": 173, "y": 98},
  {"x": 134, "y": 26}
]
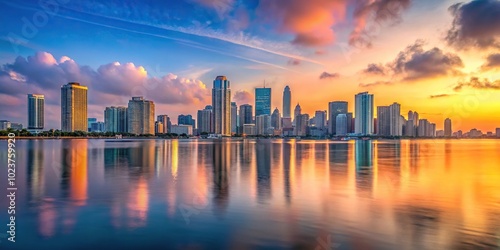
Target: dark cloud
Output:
[
  {"x": 492, "y": 62},
  {"x": 475, "y": 24},
  {"x": 242, "y": 97},
  {"x": 378, "y": 12},
  {"x": 477, "y": 83},
  {"x": 416, "y": 63},
  {"x": 375, "y": 69},
  {"x": 293, "y": 62},
  {"x": 439, "y": 96},
  {"x": 326, "y": 75}
]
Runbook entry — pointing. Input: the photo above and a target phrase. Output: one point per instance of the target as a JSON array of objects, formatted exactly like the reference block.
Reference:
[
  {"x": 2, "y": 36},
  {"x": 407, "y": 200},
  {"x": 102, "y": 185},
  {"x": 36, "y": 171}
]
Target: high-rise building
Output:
[
  {"x": 90, "y": 121},
  {"x": 262, "y": 124},
  {"x": 447, "y": 127},
  {"x": 159, "y": 128},
  {"x": 320, "y": 119},
  {"x": 165, "y": 122},
  {"x": 396, "y": 127},
  {"x": 74, "y": 107},
  {"x": 296, "y": 112},
  {"x": 221, "y": 105},
  {"x": 423, "y": 127},
  {"x": 140, "y": 115},
  {"x": 234, "y": 118},
  {"x": 350, "y": 123},
  {"x": 186, "y": 120},
  {"x": 383, "y": 121},
  {"x": 262, "y": 101},
  {"x": 301, "y": 123},
  {"x": 287, "y": 102},
  {"x": 115, "y": 119},
  {"x": 276, "y": 119},
  {"x": 334, "y": 109},
  {"x": 36, "y": 111},
  {"x": 341, "y": 123},
  {"x": 246, "y": 116},
  {"x": 363, "y": 114},
  {"x": 204, "y": 121}
]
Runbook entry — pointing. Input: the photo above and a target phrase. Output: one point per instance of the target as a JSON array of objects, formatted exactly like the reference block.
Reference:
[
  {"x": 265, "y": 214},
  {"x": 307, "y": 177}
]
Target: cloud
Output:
[
  {"x": 377, "y": 11},
  {"x": 375, "y": 69},
  {"x": 492, "y": 62},
  {"x": 477, "y": 83},
  {"x": 377, "y": 83},
  {"x": 242, "y": 97},
  {"x": 416, "y": 63},
  {"x": 326, "y": 75},
  {"x": 111, "y": 84},
  {"x": 475, "y": 24},
  {"x": 293, "y": 62},
  {"x": 439, "y": 96},
  {"x": 221, "y": 7}
]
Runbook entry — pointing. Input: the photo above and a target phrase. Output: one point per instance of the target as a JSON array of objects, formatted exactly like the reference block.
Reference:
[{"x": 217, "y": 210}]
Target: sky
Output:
[{"x": 439, "y": 58}]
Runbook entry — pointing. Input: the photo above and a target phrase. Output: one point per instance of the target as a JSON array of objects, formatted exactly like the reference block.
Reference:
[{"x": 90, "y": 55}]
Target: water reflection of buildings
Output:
[
  {"x": 221, "y": 164},
  {"x": 287, "y": 168},
  {"x": 364, "y": 167},
  {"x": 74, "y": 170},
  {"x": 263, "y": 156},
  {"x": 35, "y": 174},
  {"x": 139, "y": 161}
]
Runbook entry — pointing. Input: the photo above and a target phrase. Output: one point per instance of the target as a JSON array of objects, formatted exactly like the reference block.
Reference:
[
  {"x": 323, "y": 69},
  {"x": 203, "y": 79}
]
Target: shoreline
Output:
[{"x": 236, "y": 138}]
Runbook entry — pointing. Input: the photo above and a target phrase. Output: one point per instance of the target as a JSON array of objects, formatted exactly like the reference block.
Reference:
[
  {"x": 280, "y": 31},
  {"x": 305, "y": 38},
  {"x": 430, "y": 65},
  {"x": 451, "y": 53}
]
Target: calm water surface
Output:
[{"x": 169, "y": 194}]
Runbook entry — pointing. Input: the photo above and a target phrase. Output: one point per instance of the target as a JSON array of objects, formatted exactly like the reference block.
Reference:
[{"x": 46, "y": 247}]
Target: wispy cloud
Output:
[{"x": 439, "y": 96}]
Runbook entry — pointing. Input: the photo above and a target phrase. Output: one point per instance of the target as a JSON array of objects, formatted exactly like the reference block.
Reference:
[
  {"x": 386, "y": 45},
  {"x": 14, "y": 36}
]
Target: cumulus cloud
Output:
[
  {"x": 492, "y": 62},
  {"x": 477, "y": 83},
  {"x": 475, "y": 24},
  {"x": 415, "y": 63},
  {"x": 110, "y": 84},
  {"x": 326, "y": 75},
  {"x": 242, "y": 97}
]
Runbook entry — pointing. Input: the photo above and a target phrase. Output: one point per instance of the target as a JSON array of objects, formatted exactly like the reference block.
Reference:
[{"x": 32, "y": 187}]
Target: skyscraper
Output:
[
  {"x": 221, "y": 104},
  {"x": 115, "y": 119},
  {"x": 165, "y": 122},
  {"x": 234, "y": 118},
  {"x": 341, "y": 123},
  {"x": 140, "y": 114},
  {"x": 74, "y": 107},
  {"x": 447, "y": 127},
  {"x": 262, "y": 124},
  {"x": 334, "y": 109},
  {"x": 320, "y": 119},
  {"x": 396, "y": 127},
  {"x": 246, "y": 115},
  {"x": 363, "y": 114},
  {"x": 383, "y": 121},
  {"x": 205, "y": 121},
  {"x": 262, "y": 101},
  {"x": 186, "y": 120},
  {"x": 296, "y": 112},
  {"x": 301, "y": 123},
  {"x": 287, "y": 102},
  {"x": 36, "y": 111},
  {"x": 276, "y": 119}
]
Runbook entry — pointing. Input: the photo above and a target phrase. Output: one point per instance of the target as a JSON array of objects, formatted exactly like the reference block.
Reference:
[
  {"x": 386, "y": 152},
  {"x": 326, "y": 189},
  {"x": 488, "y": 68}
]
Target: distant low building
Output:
[
  {"x": 248, "y": 129},
  {"x": 4, "y": 124},
  {"x": 97, "y": 127},
  {"x": 498, "y": 132},
  {"x": 182, "y": 129},
  {"x": 16, "y": 126}
]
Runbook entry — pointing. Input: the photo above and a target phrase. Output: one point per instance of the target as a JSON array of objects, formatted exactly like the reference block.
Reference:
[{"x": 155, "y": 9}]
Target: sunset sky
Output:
[{"x": 440, "y": 58}]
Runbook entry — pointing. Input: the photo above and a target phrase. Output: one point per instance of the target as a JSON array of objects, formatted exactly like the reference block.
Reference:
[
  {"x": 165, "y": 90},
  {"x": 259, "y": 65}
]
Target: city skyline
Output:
[{"x": 173, "y": 61}]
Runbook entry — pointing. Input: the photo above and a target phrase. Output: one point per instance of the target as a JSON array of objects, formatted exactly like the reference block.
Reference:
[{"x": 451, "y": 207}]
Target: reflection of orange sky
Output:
[{"x": 47, "y": 219}]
